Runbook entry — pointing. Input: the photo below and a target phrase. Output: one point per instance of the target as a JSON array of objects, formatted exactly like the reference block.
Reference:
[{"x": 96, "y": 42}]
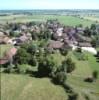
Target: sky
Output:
[{"x": 48, "y": 4}]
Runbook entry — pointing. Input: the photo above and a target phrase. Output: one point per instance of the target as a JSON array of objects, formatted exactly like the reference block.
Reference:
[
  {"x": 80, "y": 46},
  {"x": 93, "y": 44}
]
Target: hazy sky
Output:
[{"x": 49, "y": 4}]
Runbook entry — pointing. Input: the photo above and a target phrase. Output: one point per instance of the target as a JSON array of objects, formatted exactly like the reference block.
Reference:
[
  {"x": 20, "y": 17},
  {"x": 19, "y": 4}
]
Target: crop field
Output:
[{"x": 66, "y": 20}]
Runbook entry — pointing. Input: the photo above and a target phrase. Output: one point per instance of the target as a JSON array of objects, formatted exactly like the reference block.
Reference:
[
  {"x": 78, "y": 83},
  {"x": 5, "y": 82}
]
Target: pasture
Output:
[
  {"x": 92, "y": 18},
  {"x": 22, "y": 87},
  {"x": 66, "y": 20},
  {"x": 33, "y": 88}
]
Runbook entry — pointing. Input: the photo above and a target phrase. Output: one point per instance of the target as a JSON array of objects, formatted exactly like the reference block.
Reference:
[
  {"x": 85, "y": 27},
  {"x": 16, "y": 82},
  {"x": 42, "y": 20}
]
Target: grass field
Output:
[
  {"x": 21, "y": 87},
  {"x": 32, "y": 88},
  {"x": 66, "y": 20},
  {"x": 92, "y": 18}
]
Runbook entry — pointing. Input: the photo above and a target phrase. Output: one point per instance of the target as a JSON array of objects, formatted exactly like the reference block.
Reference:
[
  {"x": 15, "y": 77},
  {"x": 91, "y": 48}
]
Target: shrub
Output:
[
  {"x": 89, "y": 79},
  {"x": 22, "y": 69},
  {"x": 79, "y": 50},
  {"x": 73, "y": 96},
  {"x": 33, "y": 61},
  {"x": 46, "y": 66},
  {"x": 60, "y": 77},
  {"x": 95, "y": 74},
  {"x": 64, "y": 51},
  {"x": 68, "y": 65},
  {"x": 22, "y": 57}
]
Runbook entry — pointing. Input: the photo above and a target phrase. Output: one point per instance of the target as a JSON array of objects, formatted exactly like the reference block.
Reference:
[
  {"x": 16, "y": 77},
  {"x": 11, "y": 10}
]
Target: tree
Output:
[
  {"x": 33, "y": 61},
  {"x": 87, "y": 32},
  {"x": 64, "y": 51},
  {"x": 60, "y": 77},
  {"x": 22, "y": 56},
  {"x": 46, "y": 66},
  {"x": 22, "y": 69},
  {"x": 97, "y": 53},
  {"x": 68, "y": 65},
  {"x": 47, "y": 35},
  {"x": 32, "y": 49},
  {"x": 95, "y": 74},
  {"x": 73, "y": 96},
  {"x": 93, "y": 27},
  {"x": 93, "y": 42}
]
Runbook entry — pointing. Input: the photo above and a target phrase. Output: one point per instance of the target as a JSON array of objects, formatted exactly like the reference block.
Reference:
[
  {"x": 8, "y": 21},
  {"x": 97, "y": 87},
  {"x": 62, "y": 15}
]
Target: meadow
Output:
[
  {"x": 23, "y": 87},
  {"x": 66, "y": 20}
]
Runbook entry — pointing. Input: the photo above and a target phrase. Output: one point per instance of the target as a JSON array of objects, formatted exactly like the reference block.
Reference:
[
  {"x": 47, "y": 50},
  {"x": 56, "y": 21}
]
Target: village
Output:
[{"x": 59, "y": 36}]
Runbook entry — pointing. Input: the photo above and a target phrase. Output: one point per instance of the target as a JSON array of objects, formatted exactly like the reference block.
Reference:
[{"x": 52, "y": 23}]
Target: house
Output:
[
  {"x": 8, "y": 56},
  {"x": 79, "y": 29},
  {"x": 55, "y": 44},
  {"x": 84, "y": 44},
  {"x": 5, "y": 40},
  {"x": 81, "y": 38}
]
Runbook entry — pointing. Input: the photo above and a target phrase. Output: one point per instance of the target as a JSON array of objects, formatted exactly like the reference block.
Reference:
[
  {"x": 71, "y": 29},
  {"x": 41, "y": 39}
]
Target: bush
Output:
[
  {"x": 22, "y": 69},
  {"x": 67, "y": 88},
  {"x": 64, "y": 51},
  {"x": 60, "y": 77},
  {"x": 79, "y": 50},
  {"x": 89, "y": 79},
  {"x": 95, "y": 74},
  {"x": 33, "y": 61},
  {"x": 46, "y": 66},
  {"x": 73, "y": 96},
  {"x": 68, "y": 65},
  {"x": 22, "y": 56},
  {"x": 10, "y": 69}
]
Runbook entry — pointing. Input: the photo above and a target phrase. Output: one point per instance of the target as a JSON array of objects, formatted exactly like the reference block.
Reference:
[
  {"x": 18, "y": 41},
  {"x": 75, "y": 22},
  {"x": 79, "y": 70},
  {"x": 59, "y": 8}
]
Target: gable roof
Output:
[
  {"x": 55, "y": 44},
  {"x": 8, "y": 55}
]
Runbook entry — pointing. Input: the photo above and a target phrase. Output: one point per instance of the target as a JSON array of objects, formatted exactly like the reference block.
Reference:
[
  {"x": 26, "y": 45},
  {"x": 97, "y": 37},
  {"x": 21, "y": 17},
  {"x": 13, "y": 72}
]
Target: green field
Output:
[
  {"x": 92, "y": 18},
  {"x": 21, "y": 87},
  {"x": 66, "y": 20},
  {"x": 32, "y": 88}
]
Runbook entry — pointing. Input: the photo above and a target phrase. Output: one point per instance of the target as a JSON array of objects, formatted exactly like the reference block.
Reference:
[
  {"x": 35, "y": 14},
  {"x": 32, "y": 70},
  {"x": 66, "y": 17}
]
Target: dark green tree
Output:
[
  {"x": 95, "y": 74},
  {"x": 22, "y": 56}
]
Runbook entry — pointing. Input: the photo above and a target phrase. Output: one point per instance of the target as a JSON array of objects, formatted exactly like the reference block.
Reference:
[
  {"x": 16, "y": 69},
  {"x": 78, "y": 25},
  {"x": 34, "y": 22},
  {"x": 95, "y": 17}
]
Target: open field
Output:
[
  {"x": 66, "y": 20},
  {"x": 21, "y": 87},
  {"x": 92, "y": 18},
  {"x": 41, "y": 89},
  {"x": 32, "y": 88}
]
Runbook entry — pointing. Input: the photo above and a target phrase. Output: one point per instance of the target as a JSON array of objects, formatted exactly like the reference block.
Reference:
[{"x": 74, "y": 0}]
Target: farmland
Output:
[
  {"x": 66, "y": 20},
  {"x": 24, "y": 83}
]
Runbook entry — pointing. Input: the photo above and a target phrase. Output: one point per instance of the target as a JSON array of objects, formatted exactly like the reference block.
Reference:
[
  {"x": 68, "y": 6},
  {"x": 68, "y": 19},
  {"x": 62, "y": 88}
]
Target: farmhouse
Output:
[
  {"x": 55, "y": 44},
  {"x": 8, "y": 56},
  {"x": 84, "y": 44}
]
